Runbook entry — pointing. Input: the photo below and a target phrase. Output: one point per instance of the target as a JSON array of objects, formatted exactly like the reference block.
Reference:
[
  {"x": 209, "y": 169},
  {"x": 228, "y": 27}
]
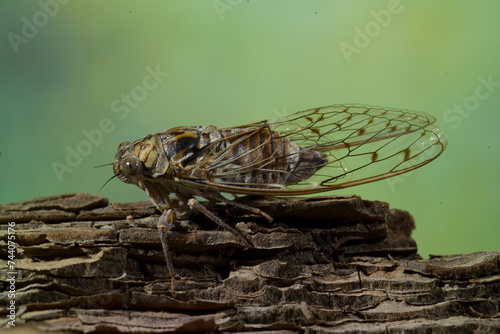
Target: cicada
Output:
[{"x": 308, "y": 152}]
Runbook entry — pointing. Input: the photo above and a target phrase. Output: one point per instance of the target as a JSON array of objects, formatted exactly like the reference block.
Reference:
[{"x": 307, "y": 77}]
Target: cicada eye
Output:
[{"x": 131, "y": 166}]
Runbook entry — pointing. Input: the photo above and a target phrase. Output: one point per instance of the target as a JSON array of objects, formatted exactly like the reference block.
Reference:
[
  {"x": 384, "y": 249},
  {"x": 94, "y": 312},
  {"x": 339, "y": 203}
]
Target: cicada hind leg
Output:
[
  {"x": 194, "y": 204},
  {"x": 245, "y": 207}
]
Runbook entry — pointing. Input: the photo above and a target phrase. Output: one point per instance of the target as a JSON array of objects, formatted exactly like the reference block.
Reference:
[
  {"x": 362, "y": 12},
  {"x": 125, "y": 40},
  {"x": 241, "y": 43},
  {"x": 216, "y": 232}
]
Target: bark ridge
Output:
[{"x": 336, "y": 264}]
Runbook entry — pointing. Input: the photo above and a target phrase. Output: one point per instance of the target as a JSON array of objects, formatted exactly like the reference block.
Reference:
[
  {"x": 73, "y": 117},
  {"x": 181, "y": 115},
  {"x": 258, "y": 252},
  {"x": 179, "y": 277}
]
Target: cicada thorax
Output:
[
  {"x": 149, "y": 150},
  {"x": 141, "y": 162},
  {"x": 256, "y": 157}
]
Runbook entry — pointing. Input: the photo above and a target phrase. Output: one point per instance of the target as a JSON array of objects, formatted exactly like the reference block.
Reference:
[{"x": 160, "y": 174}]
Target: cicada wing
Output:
[
  {"x": 360, "y": 144},
  {"x": 363, "y": 143}
]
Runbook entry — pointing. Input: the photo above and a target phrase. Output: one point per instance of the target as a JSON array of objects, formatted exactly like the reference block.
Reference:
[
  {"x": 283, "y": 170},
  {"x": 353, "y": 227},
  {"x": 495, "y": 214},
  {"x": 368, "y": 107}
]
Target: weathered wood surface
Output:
[{"x": 325, "y": 265}]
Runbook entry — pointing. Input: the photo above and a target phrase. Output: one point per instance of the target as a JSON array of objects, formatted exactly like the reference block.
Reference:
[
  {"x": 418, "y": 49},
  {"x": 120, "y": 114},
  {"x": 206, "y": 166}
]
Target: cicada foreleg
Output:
[{"x": 165, "y": 223}]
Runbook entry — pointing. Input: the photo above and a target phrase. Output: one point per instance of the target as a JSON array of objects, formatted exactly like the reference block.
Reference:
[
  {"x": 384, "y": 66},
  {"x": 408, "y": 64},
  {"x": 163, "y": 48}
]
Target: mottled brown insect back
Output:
[{"x": 308, "y": 152}]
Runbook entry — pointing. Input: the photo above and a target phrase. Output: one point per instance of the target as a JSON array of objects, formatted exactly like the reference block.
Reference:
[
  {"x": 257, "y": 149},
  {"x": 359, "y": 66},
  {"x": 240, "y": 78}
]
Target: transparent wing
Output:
[{"x": 361, "y": 144}]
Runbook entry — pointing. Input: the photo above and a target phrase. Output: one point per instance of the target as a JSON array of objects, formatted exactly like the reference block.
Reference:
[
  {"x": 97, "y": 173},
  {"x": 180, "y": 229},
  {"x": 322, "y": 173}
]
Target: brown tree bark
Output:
[{"x": 324, "y": 265}]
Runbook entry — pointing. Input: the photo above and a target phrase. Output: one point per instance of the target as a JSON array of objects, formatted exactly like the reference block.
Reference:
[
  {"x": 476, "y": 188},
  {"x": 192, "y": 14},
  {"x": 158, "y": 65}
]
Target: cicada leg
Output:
[
  {"x": 194, "y": 204},
  {"x": 249, "y": 208},
  {"x": 165, "y": 223}
]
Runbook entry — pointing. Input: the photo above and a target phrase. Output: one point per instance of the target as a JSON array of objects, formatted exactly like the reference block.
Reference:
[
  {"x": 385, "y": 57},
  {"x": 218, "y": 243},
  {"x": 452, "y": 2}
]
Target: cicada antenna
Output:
[
  {"x": 105, "y": 183},
  {"x": 110, "y": 164}
]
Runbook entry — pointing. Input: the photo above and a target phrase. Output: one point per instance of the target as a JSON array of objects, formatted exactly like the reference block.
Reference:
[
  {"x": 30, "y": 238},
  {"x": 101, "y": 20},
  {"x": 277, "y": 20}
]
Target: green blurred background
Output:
[{"x": 67, "y": 67}]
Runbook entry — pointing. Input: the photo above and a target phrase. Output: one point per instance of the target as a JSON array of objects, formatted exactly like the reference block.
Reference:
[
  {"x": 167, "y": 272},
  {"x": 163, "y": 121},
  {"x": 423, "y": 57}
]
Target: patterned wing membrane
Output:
[
  {"x": 342, "y": 146},
  {"x": 364, "y": 143}
]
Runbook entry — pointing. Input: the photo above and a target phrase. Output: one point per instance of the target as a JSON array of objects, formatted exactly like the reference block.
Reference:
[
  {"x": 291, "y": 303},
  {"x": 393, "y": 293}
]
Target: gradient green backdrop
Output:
[{"x": 65, "y": 65}]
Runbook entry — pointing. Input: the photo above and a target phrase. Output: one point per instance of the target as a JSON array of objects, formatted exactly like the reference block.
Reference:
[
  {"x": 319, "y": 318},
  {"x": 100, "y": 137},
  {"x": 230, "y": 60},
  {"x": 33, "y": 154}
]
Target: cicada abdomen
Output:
[{"x": 253, "y": 157}]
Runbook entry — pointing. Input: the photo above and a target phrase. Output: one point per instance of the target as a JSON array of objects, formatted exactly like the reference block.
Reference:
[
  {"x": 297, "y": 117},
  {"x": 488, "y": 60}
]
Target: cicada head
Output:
[{"x": 140, "y": 160}]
